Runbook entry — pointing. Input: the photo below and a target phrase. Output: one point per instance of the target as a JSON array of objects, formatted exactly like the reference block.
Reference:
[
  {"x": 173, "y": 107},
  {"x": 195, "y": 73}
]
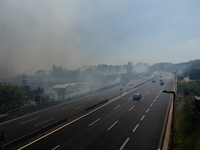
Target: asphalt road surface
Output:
[
  {"x": 18, "y": 127},
  {"x": 122, "y": 123}
]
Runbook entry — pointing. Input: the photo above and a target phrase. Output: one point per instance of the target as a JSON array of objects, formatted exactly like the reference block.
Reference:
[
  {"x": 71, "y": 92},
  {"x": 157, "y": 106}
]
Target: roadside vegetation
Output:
[
  {"x": 187, "y": 121},
  {"x": 13, "y": 96}
]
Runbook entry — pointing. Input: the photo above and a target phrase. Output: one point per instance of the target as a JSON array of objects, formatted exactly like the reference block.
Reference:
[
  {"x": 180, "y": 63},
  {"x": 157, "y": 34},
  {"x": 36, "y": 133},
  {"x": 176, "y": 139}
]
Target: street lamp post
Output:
[{"x": 174, "y": 98}]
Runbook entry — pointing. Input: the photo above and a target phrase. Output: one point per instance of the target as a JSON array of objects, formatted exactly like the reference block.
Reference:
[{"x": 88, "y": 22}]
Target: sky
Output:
[{"x": 36, "y": 34}]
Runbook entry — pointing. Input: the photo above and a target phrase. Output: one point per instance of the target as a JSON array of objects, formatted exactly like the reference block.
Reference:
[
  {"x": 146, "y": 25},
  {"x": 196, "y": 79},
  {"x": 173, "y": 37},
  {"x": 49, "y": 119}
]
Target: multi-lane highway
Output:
[
  {"x": 21, "y": 126},
  {"x": 121, "y": 123}
]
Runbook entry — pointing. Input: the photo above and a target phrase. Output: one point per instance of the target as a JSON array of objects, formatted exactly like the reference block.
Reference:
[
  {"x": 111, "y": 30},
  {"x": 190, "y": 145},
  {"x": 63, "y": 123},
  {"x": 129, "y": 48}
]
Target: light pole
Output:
[{"x": 174, "y": 98}]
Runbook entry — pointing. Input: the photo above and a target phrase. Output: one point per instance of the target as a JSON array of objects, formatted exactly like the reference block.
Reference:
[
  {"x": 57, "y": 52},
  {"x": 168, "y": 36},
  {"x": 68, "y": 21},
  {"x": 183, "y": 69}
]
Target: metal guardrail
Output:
[{"x": 57, "y": 123}]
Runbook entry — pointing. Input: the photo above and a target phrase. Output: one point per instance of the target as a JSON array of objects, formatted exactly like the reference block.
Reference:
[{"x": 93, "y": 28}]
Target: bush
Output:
[{"x": 187, "y": 125}]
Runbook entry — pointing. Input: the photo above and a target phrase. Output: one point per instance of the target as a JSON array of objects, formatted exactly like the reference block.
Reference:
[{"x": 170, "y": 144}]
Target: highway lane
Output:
[
  {"x": 21, "y": 126},
  {"x": 124, "y": 123}
]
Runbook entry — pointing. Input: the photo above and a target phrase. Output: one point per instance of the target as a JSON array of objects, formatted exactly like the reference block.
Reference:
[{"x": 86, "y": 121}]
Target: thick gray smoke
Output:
[{"x": 37, "y": 34}]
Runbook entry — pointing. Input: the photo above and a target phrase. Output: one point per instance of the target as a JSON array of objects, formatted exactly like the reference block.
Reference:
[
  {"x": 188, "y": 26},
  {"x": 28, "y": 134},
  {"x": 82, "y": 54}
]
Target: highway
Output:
[
  {"x": 21, "y": 126},
  {"x": 121, "y": 123}
]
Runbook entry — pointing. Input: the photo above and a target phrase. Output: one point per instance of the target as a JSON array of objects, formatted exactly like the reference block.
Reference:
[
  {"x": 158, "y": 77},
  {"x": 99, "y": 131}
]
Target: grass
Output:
[{"x": 187, "y": 125}]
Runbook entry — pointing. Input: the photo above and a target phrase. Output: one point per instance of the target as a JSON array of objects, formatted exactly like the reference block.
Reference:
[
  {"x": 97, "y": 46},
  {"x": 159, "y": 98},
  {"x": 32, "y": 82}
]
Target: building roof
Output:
[
  {"x": 63, "y": 86},
  {"x": 197, "y": 97}
]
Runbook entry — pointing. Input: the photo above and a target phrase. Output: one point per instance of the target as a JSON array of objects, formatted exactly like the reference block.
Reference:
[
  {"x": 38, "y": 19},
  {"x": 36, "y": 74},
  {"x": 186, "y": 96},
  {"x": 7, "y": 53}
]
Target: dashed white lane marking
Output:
[
  {"x": 156, "y": 96},
  {"x": 56, "y": 147},
  {"x": 153, "y": 89},
  {"x": 112, "y": 125},
  {"x": 67, "y": 106},
  {"x": 117, "y": 107},
  {"x": 142, "y": 117},
  {"x": 141, "y": 99},
  {"x": 148, "y": 93},
  {"x": 131, "y": 108},
  {"x": 135, "y": 127},
  {"x": 79, "y": 107},
  {"x": 147, "y": 110},
  {"x": 42, "y": 137},
  {"x": 151, "y": 105},
  {"x": 130, "y": 98},
  {"x": 154, "y": 100},
  {"x": 43, "y": 122},
  {"x": 121, "y": 148},
  {"x": 94, "y": 122},
  {"x": 29, "y": 120}
]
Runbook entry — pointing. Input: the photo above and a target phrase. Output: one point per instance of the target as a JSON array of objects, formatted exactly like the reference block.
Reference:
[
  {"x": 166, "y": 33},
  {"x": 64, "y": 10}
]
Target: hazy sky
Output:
[{"x": 35, "y": 34}]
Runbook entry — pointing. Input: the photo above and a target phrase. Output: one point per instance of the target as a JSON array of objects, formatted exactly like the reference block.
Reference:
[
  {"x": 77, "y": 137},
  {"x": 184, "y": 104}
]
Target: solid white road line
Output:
[
  {"x": 94, "y": 122},
  {"x": 56, "y": 147},
  {"x": 79, "y": 107},
  {"x": 112, "y": 125},
  {"x": 29, "y": 120},
  {"x": 67, "y": 106},
  {"x": 142, "y": 117},
  {"x": 147, "y": 110},
  {"x": 43, "y": 122},
  {"x": 121, "y": 148},
  {"x": 117, "y": 107},
  {"x": 130, "y": 98},
  {"x": 135, "y": 127},
  {"x": 131, "y": 108},
  {"x": 42, "y": 137}
]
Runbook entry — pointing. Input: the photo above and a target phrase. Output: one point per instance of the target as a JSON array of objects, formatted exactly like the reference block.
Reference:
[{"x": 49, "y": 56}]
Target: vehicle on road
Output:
[
  {"x": 137, "y": 96},
  {"x": 130, "y": 84},
  {"x": 161, "y": 80},
  {"x": 153, "y": 81},
  {"x": 161, "y": 83},
  {"x": 123, "y": 84}
]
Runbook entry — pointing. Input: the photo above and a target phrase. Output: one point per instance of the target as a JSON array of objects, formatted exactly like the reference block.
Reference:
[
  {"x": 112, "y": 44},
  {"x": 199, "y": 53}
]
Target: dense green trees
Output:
[
  {"x": 187, "y": 129},
  {"x": 38, "y": 94},
  {"x": 11, "y": 96},
  {"x": 194, "y": 73}
]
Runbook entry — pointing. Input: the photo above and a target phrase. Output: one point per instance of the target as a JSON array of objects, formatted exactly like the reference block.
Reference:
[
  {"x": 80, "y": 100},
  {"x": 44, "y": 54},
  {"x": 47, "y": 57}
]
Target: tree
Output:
[
  {"x": 24, "y": 79},
  {"x": 40, "y": 72},
  {"x": 11, "y": 96},
  {"x": 129, "y": 67},
  {"x": 38, "y": 93},
  {"x": 29, "y": 92},
  {"x": 194, "y": 73}
]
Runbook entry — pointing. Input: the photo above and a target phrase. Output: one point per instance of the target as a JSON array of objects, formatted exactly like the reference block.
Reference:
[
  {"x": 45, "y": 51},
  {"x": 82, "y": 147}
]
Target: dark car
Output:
[
  {"x": 137, "y": 96},
  {"x": 123, "y": 84},
  {"x": 161, "y": 80},
  {"x": 161, "y": 83},
  {"x": 153, "y": 81},
  {"x": 130, "y": 84}
]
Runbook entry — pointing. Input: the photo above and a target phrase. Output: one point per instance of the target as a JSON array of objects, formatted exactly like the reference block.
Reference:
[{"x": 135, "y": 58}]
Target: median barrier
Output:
[
  {"x": 95, "y": 105},
  {"x": 33, "y": 134},
  {"x": 52, "y": 125},
  {"x": 76, "y": 114}
]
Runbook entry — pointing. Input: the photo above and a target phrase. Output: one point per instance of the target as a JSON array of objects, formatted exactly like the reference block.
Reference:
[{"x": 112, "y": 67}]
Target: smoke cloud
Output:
[{"x": 36, "y": 34}]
